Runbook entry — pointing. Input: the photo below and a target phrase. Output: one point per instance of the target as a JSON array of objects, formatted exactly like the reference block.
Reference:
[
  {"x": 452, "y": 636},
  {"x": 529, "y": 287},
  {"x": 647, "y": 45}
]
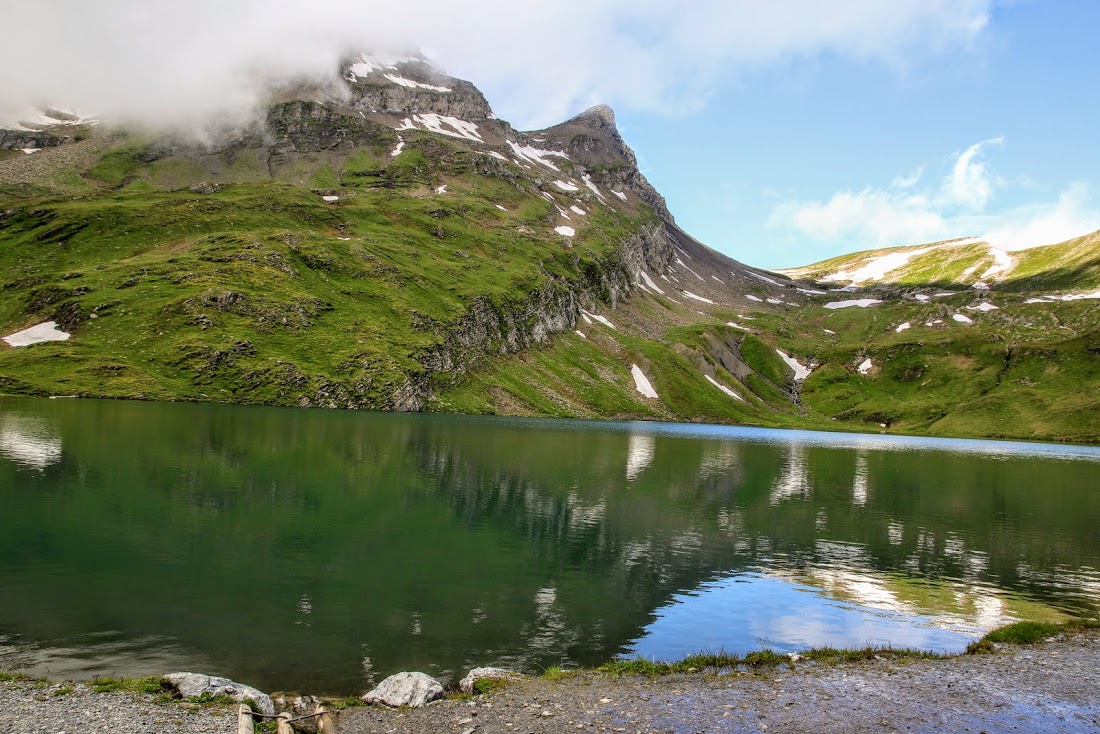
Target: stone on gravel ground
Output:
[
  {"x": 196, "y": 684},
  {"x": 406, "y": 689},
  {"x": 466, "y": 685}
]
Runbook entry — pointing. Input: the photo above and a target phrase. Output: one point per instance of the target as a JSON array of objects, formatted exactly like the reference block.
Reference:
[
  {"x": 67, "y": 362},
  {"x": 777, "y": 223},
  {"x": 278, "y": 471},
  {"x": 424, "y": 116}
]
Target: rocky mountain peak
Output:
[{"x": 600, "y": 115}]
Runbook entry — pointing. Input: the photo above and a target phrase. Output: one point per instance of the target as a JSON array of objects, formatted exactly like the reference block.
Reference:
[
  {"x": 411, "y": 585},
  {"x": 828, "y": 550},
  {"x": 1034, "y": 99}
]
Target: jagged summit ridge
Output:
[{"x": 601, "y": 114}]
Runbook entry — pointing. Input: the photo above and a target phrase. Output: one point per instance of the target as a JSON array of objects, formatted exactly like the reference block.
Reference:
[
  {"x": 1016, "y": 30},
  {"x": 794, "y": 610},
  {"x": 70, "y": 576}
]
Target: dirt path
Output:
[{"x": 1047, "y": 688}]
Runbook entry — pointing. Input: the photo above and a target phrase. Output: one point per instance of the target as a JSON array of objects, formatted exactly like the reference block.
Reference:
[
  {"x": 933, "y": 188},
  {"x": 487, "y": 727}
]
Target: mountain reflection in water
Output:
[{"x": 233, "y": 540}]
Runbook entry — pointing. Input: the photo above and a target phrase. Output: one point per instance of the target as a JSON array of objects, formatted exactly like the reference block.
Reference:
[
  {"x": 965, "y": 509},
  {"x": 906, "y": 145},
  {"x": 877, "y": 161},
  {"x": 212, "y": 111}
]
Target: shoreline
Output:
[
  {"x": 823, "y": 427},
  {"x": 1027, "y": 668}
]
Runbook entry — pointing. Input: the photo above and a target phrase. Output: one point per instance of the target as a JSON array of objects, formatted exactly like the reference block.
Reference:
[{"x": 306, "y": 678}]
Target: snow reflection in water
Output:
[{"x": 29, "y": 441}]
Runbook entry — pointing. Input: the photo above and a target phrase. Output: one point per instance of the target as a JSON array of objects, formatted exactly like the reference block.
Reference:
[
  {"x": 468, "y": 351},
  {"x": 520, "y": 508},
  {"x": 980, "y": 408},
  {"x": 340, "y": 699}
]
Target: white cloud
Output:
[
  {"x": 909, "y": 180},
  {"x": 1072, "y": 215},
  {"x": 969, "y": 184},
  {"x": 539, "y": 61},
  {"x": 959, "y": 206}
]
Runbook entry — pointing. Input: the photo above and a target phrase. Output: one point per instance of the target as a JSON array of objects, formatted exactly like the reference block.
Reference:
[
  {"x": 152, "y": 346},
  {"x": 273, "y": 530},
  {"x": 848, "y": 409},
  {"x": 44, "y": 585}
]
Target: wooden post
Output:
[
  {"x": 325, "y": 724},
  {"x": 284, "y": 724},
  {"x": 245, "y": 724}
]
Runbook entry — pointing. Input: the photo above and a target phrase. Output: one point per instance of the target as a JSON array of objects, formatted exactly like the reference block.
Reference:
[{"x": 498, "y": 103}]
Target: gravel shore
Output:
[
  {"x": 29, "y": 707},
  {"x": 1046, "y": 688}
]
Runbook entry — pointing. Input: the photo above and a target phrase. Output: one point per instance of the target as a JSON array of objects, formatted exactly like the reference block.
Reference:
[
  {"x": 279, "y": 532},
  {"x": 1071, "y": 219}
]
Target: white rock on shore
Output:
[
  {"x": 196, "y": 684},
  {"x": 405, "y": 689}
]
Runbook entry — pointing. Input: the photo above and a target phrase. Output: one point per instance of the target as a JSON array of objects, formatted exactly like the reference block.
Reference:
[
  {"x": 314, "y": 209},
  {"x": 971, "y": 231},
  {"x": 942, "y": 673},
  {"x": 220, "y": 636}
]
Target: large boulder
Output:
[
  {"x": 466, "y": 685},
  {"x": 405, "y": 689},
  {"x": 196, "y": 684}
]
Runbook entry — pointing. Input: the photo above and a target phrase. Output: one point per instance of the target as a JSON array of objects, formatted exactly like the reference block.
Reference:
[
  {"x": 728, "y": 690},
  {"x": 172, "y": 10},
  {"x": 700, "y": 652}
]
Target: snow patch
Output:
[
  {"x": 28, "y": 151},
  {"x": 619, "y": 194},
  {"x": 565, "y": 231},
  {"x": 830, "y": 332},
  {"x": 577, "y": 210},
  {"x": 800, "y": 372},
  {"x": 775, "y": 301},
  {"x": 330, "y": 198},
  {"x": 649, "y": 281},
  {"x": 566, "y": 186},
  {"x": 861, "y": 302},
  {"x": 811, "y": 292},
  {"x": 962, "y": 318},
  {"x": 589, "y": 317},
  {"x": 692, "y": 296},
  {"x": 865, "y": 366},
  {"x": 681, "y": 262},
  {"x": 1003, "y": 262},
  {"x": 723, "y": 388},
  {"x": 588, "y": 182},
  {"x": 1069, "y": 297},
  {"x": 580, "y": 333},
  {"x": 44, "y": 332},
  {"x": 921, "y": 297},
  {"x": 984, "y": 307},
  {"x": 737, "y": 326},
  {"x": 498, "y": 155},
  {"x": 442, "y": 189},
  {"x": 402, "y": 81},
  {"x": 751, "y": 297},
  {"x": 763, "y": 277},
  {"x": 440, "y": 123},
  {"x": 535, "y": 155},
  {"x": 501, "y": 208},
  {"x": 641, "y": 382},
  {"x": 903, "y": 327},
  {"x": 397, "y": 150}
]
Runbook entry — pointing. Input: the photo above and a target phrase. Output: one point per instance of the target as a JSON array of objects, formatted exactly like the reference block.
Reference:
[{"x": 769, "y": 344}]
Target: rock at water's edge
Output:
[
  {"x": 196, "y": 684},
  {"x": 466, "y": 685},
  {"x": 405, "y": 689}
]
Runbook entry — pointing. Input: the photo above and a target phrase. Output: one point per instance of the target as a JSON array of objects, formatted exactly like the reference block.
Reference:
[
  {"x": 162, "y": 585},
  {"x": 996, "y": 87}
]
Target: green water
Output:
[{"x": 320, "y": 550}]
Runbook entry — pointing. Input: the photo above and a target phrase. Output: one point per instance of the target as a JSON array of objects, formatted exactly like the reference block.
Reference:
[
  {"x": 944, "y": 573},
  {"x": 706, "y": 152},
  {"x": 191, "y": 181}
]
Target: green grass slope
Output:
[{"x": 263, "y": 292}]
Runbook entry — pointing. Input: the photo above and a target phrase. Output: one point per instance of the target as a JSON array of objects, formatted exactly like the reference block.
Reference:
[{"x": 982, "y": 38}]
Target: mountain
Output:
[{"x": 389, "y": 243}]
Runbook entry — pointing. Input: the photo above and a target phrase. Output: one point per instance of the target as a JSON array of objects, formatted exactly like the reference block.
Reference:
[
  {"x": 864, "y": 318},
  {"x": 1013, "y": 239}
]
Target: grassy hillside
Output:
[
  {"x": 263, "y": 291},
  {"x": 429, "y": 275}
]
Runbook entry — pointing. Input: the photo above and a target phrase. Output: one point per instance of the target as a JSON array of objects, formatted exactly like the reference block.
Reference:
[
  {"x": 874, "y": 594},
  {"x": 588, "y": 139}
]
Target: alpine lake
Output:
[{"x": 323, "y": 550}]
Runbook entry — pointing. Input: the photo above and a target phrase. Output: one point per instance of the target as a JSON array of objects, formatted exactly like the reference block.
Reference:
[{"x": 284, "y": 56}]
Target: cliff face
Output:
[{"x": 554, "y": 308}]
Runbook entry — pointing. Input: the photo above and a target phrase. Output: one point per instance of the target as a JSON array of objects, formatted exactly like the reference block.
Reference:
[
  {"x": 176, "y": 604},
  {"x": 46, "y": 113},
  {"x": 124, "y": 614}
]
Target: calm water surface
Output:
[{"x": 321, "y": 550}]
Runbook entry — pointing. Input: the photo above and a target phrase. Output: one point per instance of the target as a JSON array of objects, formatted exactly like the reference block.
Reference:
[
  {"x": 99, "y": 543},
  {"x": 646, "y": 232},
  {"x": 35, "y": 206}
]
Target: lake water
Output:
[{"x": 322, "y": 550}]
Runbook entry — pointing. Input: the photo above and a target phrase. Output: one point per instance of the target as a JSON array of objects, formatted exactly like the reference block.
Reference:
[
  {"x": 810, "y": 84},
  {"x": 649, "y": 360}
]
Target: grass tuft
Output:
[
  {"x": 150, "y": 684},
  {"x": 1028, "y": 633}
]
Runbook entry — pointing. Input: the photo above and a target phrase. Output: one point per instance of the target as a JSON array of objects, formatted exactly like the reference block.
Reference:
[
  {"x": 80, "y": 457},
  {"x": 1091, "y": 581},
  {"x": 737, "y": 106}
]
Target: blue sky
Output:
[
  {"x": 781, "y": 132},
  {"x": 802, "y": 159}
]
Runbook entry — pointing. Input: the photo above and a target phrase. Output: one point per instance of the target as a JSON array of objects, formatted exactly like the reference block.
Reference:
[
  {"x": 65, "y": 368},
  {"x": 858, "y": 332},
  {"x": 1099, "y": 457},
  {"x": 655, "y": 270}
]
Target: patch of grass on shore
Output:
[
  {"x": 556, "y": 672},
  {"x": 834, "y": 656},
  {"x": 14, "y": 677},
  {"x": 344, "y": 702},
  {"x": 151, "y": 684},
  {"x": 1028, "y": 633}
]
